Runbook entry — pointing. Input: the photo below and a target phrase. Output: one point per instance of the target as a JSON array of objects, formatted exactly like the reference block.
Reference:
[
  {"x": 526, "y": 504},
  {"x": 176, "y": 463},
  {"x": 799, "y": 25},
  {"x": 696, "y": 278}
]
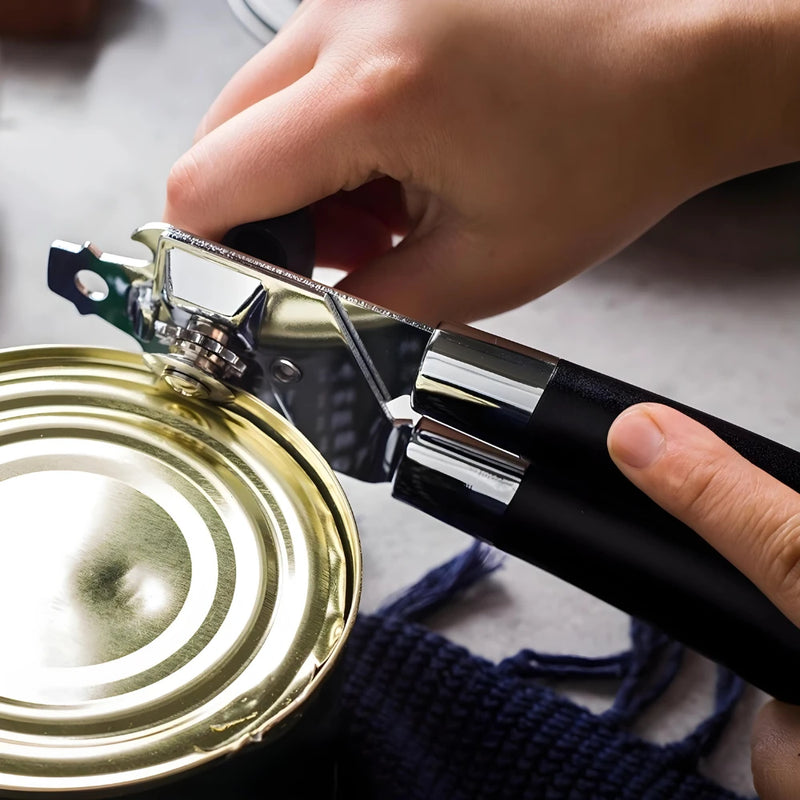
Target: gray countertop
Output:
[{"x": 703, "y": 308}]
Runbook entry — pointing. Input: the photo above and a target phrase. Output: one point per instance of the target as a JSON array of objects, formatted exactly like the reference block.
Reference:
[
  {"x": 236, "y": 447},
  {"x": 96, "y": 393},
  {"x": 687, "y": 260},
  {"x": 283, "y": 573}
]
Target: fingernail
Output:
[{"x": 635, "y": 439}]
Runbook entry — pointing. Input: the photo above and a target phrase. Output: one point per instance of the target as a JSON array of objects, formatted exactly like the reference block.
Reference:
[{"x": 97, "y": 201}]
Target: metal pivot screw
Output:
[{"x": 285, "y": 371}]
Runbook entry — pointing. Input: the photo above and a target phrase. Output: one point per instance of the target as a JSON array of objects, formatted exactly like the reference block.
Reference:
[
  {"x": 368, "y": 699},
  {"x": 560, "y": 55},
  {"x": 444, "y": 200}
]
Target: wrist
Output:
[
  {"x": 734, "y": 81},
  {"x": 765, "y": 58}
]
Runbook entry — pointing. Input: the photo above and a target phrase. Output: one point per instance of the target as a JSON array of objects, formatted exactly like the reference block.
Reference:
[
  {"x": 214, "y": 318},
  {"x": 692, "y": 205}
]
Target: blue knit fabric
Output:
[{"x": 424, "y": 718}]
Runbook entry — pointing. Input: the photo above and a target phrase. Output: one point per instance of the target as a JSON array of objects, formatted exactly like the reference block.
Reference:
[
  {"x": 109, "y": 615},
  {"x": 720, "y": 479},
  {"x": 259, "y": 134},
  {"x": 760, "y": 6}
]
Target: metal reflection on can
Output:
[{"x": 177, "y": 578}]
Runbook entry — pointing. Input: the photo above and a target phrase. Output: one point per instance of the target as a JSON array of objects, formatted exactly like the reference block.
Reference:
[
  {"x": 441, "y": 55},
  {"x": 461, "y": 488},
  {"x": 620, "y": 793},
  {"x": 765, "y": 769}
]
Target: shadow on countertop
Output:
[{"x": 745, "y": 231}]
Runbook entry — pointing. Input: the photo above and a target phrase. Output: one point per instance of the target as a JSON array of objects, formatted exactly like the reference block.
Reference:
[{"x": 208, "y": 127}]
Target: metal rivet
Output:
[{"x": 286, "y": 371}]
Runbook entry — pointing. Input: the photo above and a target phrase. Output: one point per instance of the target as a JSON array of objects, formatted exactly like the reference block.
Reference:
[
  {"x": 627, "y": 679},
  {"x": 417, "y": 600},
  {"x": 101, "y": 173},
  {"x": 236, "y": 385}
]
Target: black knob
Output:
[{"x": 286, "y": 241}]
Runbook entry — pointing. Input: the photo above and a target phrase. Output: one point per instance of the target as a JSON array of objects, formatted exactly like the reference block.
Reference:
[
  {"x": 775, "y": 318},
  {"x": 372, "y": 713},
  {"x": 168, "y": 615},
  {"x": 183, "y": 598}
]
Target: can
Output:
[{"x": 177, "y": 578}]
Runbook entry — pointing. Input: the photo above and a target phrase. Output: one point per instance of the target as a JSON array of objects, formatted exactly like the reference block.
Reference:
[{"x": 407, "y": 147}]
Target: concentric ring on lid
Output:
[{"x": 176, "y": 577}]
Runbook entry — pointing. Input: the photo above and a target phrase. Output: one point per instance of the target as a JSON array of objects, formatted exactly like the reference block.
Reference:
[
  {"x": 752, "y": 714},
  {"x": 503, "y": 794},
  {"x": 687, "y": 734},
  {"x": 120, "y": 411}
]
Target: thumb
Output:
[
  {"x": 271, "y": 158},
  {"x": 746, "y": 514}
]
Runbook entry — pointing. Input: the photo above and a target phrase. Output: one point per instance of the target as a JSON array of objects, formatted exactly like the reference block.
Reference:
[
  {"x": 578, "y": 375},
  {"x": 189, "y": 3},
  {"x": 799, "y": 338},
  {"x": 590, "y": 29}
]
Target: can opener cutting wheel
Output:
[{"x": 503, "y": 442}]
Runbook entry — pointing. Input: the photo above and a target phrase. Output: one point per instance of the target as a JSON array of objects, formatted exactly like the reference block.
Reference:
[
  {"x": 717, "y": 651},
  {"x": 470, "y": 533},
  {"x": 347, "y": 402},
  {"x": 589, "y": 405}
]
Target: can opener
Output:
[{"x": 504, "y": 442}]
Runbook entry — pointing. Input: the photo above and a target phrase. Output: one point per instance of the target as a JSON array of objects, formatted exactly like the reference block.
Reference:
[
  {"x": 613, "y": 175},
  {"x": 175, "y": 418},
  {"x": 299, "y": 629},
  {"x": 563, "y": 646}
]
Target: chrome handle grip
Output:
[{"x": 481, "y": 384}]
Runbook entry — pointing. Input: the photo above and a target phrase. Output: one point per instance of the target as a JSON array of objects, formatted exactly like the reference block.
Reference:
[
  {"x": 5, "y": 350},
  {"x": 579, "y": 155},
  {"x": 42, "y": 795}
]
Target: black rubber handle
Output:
[
  {"x": 570, "y": 423},
  {"x": 576, "y": 516},
  {"x": 286, "y": 241}
]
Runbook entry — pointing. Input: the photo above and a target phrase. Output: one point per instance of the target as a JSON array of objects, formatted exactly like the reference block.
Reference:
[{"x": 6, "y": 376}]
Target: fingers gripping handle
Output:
[{"x": 575, "y": 515}]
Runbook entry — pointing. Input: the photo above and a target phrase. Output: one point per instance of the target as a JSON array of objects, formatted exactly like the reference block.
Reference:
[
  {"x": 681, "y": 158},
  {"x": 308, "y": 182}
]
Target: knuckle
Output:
[
  {"x": 782, "y": 555},
  {"x": 379, "y": 81},
  {"x": 704, "y": 489},
  {"x": 184, "y": 186}
]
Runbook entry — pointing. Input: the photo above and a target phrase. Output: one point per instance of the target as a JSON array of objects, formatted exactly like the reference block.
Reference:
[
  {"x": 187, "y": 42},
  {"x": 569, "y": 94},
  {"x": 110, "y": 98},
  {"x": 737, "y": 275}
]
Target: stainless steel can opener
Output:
[{"x": 504, "y": 442}]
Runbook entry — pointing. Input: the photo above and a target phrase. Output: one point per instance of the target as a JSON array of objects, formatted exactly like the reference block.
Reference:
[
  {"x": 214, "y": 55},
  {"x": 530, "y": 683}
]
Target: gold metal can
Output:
[{"x": 177, "y": 578}]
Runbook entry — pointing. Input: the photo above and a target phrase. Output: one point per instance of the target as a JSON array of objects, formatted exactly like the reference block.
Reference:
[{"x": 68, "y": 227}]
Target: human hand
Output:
[
  {"x": 751, "y": 518},
  {"x": 518, "y": 142}
]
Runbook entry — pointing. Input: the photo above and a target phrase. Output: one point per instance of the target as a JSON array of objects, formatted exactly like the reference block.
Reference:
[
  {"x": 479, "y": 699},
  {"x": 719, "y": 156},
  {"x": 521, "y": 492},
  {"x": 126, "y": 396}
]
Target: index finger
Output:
[{"x": 272, "y": 158}]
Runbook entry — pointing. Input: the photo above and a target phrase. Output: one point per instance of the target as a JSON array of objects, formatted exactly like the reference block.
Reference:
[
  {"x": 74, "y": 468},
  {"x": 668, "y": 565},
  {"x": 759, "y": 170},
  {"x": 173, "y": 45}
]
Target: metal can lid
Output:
[{"x": 176, "y": 577}]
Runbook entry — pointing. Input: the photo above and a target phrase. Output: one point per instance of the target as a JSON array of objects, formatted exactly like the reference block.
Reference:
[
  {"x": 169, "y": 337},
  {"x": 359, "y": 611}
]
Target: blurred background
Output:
[{"x": 99, "y": 97}]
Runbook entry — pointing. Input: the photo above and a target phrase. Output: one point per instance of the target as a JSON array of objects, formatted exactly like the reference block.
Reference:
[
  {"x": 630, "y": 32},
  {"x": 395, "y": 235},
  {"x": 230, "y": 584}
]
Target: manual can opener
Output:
[{"x": 504, "y": 442}]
